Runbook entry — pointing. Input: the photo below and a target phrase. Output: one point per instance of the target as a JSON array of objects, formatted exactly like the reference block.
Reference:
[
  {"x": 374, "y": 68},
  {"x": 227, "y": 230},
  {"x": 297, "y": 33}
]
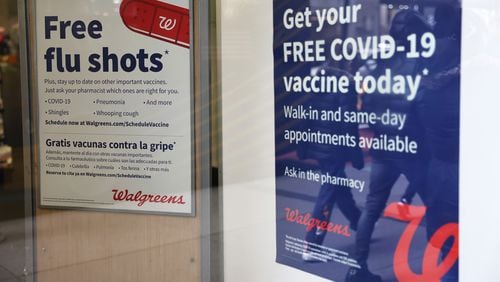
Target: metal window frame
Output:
[{"x": 24, "y": 44}]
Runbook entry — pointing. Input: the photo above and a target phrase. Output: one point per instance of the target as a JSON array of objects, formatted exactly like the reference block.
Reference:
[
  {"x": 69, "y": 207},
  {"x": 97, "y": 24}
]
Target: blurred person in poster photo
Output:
[
  {"x": 387, "y": 167},
  {"x": 434, "y": 121},
  {"x": 438, "y": 107},
  {"x": 332, "y": 161}
]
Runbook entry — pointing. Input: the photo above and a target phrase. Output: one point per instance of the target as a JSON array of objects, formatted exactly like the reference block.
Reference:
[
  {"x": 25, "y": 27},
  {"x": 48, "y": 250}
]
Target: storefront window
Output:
[
  {"x": 14, "y": 236},
  {"x": 242, "y": 141}
]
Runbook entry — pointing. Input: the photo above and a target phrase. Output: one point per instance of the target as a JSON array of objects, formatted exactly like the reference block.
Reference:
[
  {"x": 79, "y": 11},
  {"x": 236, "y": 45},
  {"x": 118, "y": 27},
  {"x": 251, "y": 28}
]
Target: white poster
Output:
[{"x": 115, "y": 105}]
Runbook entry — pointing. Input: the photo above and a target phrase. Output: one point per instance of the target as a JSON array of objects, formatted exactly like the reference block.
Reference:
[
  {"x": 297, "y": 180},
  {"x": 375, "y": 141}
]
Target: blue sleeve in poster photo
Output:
[{"x": 367, "y": 99}]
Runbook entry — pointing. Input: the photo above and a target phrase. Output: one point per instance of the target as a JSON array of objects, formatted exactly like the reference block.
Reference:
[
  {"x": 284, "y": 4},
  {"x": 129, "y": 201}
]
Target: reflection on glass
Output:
[{"x": 12, "y": 206}]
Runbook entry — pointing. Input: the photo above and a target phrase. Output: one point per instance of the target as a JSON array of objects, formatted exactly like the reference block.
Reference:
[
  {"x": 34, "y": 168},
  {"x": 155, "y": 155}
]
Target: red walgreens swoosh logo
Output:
[{"x": 125, "y": 196}]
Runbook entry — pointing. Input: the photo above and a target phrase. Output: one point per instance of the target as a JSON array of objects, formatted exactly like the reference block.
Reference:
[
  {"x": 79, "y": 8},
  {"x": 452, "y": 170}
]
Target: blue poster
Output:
[{"x": 367, "y": 120}]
